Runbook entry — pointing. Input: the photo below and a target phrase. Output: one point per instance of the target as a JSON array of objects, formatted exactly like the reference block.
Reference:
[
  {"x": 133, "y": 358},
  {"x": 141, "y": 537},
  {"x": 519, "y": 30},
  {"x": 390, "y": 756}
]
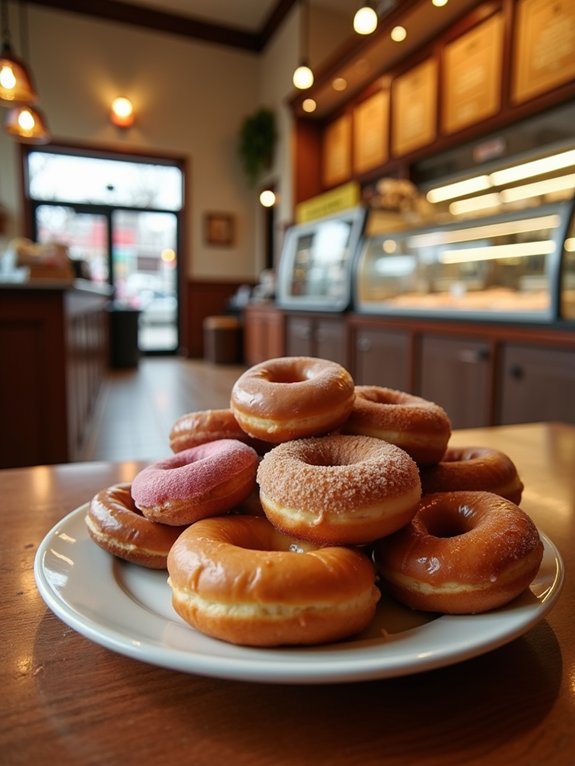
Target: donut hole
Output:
[{"x": 450, "y": 522}]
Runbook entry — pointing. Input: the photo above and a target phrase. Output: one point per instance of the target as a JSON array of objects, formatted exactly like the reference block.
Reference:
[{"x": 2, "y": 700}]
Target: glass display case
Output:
[
  {"x": 315, "y": 268},
  {"x": 518, "y": 266}
]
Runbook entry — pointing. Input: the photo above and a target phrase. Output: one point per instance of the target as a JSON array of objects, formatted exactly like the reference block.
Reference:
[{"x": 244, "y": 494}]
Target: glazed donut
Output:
[
  {"x": 238, "y": 579},
  {"x": 473, "y": 469},
  {"x": 292, "y": 397},
  {"x": 338, "y": 489},
  {"x": 463, "y": 553},
  {"x": 202, "y": 481},
  {"x": 116, "y": 525},
  {"x": 195, "y": 428},
  {"x": 420, "y": 427}
]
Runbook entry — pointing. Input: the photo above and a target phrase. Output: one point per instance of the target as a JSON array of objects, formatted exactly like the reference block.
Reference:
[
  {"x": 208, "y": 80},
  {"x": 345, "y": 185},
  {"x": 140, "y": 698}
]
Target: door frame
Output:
[{"x": 130, "y": 154}]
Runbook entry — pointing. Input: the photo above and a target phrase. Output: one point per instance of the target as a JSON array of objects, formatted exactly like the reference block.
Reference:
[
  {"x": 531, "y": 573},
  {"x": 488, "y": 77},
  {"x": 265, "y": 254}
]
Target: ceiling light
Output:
[
  {"x": 309, "y": 105},
  {"x": 303, "y": 76},
  {"x": 365, "y": 20},
  {"x": 439, "y": 3},
  {"x": 459, "y": 189},
  {"x": 27, "y": 124},
  {"x": 267, "y": 198},
  {"x": 339, "y": 83},
  {"x": 398, "y": 34},
  {"x": 533, "y": 168},
  {"x": 537, "y": 189},
  {"x": 474, "y": 204},
  {"x": 122, "y": 112},
  {"x": 15, "y": 81}
]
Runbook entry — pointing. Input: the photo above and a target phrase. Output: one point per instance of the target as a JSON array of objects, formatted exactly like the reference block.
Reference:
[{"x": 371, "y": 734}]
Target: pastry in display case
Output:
[
  {"x": 315, "y": 268},
  {"x": 505, "y": 266}
]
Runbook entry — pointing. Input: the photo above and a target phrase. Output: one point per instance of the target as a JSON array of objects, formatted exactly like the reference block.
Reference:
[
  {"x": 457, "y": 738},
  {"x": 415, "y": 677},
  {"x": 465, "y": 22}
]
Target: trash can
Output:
[
  {"x": 124, "y": 350},
  {"x": 223, "y": 340}
]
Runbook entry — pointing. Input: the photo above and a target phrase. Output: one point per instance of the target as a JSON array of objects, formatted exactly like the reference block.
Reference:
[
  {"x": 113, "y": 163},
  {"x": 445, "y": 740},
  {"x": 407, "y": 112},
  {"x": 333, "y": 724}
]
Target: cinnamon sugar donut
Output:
[
  {"x": 420, "y": 427},
  {"x": 116, "y": 525},
  {"x": 195, "y": 428},
  {"x": 338, "y": 489},
  {"x": 202, "y": 481},
  {"x": 463, "y": 552},
  {"x": 240, "y": 580},
  {"x": 473, "y": 469},
  {"x": 292, "y": 397}
]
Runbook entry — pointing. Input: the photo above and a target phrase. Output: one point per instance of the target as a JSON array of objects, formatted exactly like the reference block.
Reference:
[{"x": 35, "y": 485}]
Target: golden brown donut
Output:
[
  {"x": 292, "y": 397},
  {"x": 238, "y": 579},
  {"x": 473, "y": 469},
  {"x": 195, "y": 428},
  {"x": 116, "y": 525},
  {"x": 338, "y": 489},
  {"x": 463, "y": 552},
  {"x": 202, "y": 481},
  {"x": 420, "y": 427}
]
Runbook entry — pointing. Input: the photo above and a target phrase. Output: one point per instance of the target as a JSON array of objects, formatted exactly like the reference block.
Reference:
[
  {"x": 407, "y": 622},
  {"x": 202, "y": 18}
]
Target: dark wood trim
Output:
[{"x": 171, "y": 23}]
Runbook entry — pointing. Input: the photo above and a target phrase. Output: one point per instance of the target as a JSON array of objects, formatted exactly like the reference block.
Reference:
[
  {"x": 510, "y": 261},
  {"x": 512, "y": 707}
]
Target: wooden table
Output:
[{"x": 66, "y": 700}]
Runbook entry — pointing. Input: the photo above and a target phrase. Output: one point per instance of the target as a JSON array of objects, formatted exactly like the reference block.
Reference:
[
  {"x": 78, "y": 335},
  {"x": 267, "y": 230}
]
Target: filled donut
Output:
[
  {"x": 462, "y": 553},
  {"x": 473, "y": 469},
  {"x": 420, "y": 427},
  {"x": 116, "y": 525},
  {"x": 292, "y": 397},
  {"x": 206, "y": 480},
  {"x": 238, "y": 579},
  {"x": 338, "y": 489}
]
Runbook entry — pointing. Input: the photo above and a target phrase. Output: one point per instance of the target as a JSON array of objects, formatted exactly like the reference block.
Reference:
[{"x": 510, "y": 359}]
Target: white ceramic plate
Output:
[{"x": 128, "y": 609}]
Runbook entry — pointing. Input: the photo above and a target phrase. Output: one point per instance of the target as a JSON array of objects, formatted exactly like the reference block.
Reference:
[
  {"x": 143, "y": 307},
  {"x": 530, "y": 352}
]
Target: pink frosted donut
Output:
[{"x": 203, "y": 481}]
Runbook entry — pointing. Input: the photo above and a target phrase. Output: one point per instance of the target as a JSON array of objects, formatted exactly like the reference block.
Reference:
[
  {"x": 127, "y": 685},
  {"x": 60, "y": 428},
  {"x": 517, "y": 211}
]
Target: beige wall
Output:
[{"x": 191, "y": 99}]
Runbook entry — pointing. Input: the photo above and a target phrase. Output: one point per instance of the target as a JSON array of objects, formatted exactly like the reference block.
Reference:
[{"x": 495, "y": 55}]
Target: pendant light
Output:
[
  {"x": 27, "y": 124},
  {"x": 303, "y": 76},
  {"x": 365, "y": 20},
  {"x": 15, "y": 81}
]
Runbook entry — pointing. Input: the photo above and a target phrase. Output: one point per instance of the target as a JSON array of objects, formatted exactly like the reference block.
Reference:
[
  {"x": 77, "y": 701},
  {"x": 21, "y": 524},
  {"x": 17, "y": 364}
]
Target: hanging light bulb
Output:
[
  {"x": 15, "y": 81},
  {"x": 365, "y": 20},
  {"x": 27, "y": 124},
  {"x": 303, "y": 76}
]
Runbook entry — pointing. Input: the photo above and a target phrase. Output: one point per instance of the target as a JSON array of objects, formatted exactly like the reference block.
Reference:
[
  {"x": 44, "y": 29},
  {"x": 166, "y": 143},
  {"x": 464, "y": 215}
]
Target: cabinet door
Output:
[
  {"x": 331, "y": 340},
  {"x": 299, "y": 336},
  {"x": 538, "y": 385},
  {"x": 382, "y": 358},
  {"x": 456, "y": 373}
]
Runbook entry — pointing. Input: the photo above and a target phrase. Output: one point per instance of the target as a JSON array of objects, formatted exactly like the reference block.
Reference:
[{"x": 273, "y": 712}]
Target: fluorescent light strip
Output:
[
  {"x": 483, "y": 232},
  {"x": 493, "y": 252},
  {"x": 470, "y": 205},
  {"x": 533, "y": 168},
  {"x": 459, "y": 189},
  {"x": 539, "y": 187},
  {"x": 570, "y": 245}
]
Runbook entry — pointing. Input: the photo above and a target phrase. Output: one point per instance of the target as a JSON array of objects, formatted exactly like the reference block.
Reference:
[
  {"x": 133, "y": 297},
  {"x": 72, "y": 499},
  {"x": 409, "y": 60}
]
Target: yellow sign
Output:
[{"x": 329, "y": 203}]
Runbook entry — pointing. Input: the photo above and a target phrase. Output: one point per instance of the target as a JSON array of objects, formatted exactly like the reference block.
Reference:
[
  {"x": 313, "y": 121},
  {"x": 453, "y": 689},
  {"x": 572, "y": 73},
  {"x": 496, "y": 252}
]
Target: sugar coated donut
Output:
[
  {"x": 473, "y": 469},
  {"x": 238, "y": 579},
  {"x": 292, "y": 397},
  {"x": 420, "y": 427},
  {"x": 195, "y": 428},
  {"x": 116, "y": 525},
  {"x": 338, "y": 489},
  {"x": 202, "y": 481},
  {"x": 463, "y": 552}
]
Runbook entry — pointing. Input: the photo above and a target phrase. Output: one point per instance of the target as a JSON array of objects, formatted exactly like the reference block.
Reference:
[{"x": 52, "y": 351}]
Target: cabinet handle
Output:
[
  {"x": 473, "y": 356},
  {"x": 517, "y": 372}
]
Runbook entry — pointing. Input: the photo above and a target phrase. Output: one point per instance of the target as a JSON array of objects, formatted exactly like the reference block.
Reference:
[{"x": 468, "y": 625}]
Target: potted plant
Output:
[{"x": 257, "y": 140}]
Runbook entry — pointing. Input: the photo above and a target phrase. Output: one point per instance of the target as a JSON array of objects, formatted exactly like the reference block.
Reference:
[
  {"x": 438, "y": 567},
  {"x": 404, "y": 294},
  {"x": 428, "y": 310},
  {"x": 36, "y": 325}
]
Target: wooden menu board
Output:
[
  {"x": 472, "y": 76},
  {"x": 371, "y": 132},
  {"x": 337, "y": 151},
  {"x": 414, "y": 108},
  {"x": 544, "y": 54}
]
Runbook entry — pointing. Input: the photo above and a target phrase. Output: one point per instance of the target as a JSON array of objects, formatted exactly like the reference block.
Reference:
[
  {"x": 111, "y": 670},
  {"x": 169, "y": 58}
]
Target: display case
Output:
[
  {"x": 315, "y": 268},
  {"x": 518, "y": 266}
]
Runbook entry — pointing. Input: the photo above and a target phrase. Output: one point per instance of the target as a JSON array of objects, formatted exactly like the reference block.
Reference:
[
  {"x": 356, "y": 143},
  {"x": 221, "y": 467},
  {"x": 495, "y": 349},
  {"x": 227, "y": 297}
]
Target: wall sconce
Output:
[
  {"x": 122, "y": 112},
  {"x": 303, "y": 76},
  {"x": 27, "y": 124},
  {"x": 365, "y": 20}
]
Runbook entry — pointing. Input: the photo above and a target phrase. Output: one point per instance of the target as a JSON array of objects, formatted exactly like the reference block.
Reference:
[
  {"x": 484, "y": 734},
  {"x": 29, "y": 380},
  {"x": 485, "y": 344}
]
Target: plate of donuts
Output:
[{"x": 127, "y": 609}]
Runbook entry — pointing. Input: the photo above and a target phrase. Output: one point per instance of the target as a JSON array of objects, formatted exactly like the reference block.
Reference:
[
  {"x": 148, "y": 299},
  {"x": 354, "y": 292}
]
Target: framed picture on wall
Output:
[
  {"x": 414, "y": 108},
  {"x": 219, "y": 229}
]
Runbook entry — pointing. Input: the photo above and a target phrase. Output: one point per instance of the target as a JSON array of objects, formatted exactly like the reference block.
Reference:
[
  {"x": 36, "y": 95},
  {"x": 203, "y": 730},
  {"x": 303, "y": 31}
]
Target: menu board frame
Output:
[
  {"x": 472, "y": 76},
  {"x": 414, "y": 108},
  {"x": 371, "y": 132},
  {"x": 544, "y": 51},
  {"x": 337, "y": 151}
]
